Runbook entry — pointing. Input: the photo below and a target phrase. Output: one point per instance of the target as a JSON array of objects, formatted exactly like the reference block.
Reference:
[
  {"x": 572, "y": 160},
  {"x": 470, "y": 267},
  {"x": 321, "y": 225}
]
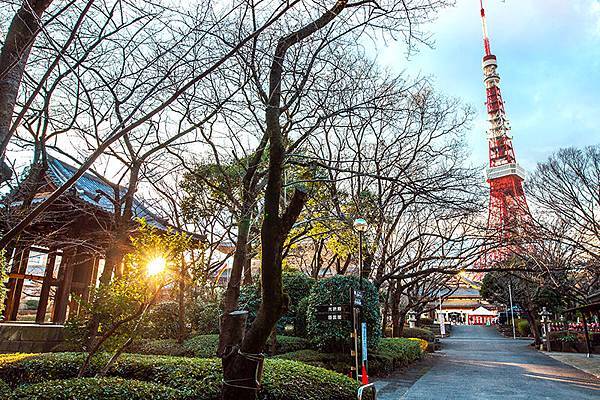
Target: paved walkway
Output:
[
  {"x": 477, "y": 363},
  {"x": 591, "y": 365}
]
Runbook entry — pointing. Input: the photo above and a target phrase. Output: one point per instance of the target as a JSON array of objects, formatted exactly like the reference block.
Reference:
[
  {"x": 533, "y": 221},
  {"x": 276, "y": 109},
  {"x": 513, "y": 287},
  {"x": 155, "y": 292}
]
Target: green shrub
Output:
[
  {"x": 5, "y": 390},
  {"x": 425, "y": 322},
  {"x": 419, "y": 333},
  {"x": 202, "y": 345},
  {"x": 32, "y": 304},
  {"x": 204, "y": 317},
  {"x": 287, "y": 344},
  {"x": 198, "y": 379},
  {"x": 16, "y": 369},
  {"x": 334, "y": 336},
  {"x": 290, "y": 380},
  {"x": 389, "y": 355},
  {"x": 300, "y": 323},
  {"x": 296, "y": 285},
  {"x": 522, "y": 326},
  {"x": 97, "y": 389},
  {"x": 159, "y": 347},
  {"x": 162, "y": 321}
]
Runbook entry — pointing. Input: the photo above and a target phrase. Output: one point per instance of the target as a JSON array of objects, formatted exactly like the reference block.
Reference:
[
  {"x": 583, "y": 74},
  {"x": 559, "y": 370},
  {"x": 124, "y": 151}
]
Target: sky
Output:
[{"x": 549, "y": 61}]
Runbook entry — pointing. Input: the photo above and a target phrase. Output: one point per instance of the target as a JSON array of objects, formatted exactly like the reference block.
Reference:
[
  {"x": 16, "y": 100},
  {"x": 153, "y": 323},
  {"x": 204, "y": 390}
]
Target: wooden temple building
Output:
[{"x": 59, "y": 258}]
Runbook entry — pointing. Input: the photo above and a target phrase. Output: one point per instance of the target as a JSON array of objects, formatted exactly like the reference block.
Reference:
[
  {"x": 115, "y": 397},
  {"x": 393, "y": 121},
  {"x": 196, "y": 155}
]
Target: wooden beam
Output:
[
  {"x": 63, "y": 291},
  {"x": 40, "y": 316},
  {"x": 15, "y": 285}
]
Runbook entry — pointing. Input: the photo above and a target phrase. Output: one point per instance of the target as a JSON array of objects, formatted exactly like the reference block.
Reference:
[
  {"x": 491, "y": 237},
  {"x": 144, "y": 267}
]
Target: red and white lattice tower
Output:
[{"x": 508, "y": 210}]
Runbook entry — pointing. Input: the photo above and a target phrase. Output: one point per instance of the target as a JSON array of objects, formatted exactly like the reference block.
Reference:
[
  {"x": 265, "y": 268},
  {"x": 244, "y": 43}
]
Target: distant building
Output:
[{"x": 466, "y": 307}]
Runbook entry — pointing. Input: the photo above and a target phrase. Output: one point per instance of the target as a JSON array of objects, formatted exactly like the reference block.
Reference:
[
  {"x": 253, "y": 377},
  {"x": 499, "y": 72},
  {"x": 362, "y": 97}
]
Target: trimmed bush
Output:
[
  {"x": 159, "y": 347},
  {"x": 334, "y": 336},
  {"x": 97, "y": 389},
  {"x": 287, "y": 344},
  {"x": 423, "y": 344},
  {"x": 522, "y": 326},
  {"x": 204, "y": 317},
  {"x": 332, "y": 361},
  {"x": 296, "y": 285},
  {"x": 204, "y": 346},
  {"x": 420, "y": 333},
  {"x": 291, "y": 380},
  {"x": 300, "y": 325},
  {"x": 390, "y": 355},
  {"x": 395, "y": 353},
  {"x": 197, "y": 379},
  {"x": 5, "y": 390}
]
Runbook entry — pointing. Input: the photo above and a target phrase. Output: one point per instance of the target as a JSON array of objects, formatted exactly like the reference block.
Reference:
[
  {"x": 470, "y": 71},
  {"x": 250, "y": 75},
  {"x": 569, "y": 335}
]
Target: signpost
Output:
[
  {"x": 350, "y": 312},
  {"x": 334, "y": 312}
]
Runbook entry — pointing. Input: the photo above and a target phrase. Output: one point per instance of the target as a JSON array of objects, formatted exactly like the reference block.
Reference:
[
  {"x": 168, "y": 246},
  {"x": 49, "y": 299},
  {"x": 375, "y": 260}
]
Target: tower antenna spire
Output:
[{"x": 486, "y": 38}]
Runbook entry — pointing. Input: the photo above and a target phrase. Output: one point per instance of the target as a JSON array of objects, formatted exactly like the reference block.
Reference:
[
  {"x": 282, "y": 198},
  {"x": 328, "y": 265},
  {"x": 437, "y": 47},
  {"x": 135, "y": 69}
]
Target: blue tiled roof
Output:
[{"x": 89, "y": 188}]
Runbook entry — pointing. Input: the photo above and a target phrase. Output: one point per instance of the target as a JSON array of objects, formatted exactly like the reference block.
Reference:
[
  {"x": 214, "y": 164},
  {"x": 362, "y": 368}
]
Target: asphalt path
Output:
[{"x": 477, "y": 363}]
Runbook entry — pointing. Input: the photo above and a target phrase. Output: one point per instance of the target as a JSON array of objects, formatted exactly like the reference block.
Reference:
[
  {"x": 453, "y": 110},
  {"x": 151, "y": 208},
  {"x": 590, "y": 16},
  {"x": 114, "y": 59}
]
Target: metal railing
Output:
[{"x": 362, "y": 389}]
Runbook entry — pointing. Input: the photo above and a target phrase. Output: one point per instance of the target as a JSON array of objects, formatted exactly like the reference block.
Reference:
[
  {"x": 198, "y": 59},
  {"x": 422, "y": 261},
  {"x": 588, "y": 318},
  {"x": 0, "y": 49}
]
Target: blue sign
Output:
[{"x": 364, "y": 341}]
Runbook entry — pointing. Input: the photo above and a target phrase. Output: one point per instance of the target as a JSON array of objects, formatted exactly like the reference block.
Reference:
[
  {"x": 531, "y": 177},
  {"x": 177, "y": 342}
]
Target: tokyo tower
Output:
[{"x": 508, "y": 210}]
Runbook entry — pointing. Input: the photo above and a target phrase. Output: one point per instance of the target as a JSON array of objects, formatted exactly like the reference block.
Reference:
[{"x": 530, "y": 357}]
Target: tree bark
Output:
[{"x": 21, "y": 34}]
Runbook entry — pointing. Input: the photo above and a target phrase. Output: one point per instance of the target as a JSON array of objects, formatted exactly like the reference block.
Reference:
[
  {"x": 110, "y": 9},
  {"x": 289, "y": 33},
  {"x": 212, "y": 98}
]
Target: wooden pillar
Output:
[
  {"x": 63, "y": 290},
  {"x": 45, "y": 293},
  {"x": 15, "y": 283},
  {"x": 93, "y": 278},
  {"x": 83, "y": 268}
]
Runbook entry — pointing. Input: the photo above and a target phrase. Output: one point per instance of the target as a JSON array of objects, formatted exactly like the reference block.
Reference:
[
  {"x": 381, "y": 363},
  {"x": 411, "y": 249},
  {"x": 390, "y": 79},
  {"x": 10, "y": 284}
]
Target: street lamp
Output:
[
  {"x": 545, "y": 314},
  {"x": 360, "y": 225}
]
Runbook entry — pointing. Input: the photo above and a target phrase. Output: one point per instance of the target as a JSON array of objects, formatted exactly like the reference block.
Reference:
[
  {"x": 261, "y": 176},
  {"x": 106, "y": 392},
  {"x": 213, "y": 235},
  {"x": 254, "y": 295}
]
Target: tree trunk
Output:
[
  {"x": 13, "y": 59},
  {"x": 238, "y": 367},
  {"x": 248, "y": 267},
  {"x": 386, "y": 310},
  {"x": 228, "y": 335},
  {"x": 535, "y": 329}
]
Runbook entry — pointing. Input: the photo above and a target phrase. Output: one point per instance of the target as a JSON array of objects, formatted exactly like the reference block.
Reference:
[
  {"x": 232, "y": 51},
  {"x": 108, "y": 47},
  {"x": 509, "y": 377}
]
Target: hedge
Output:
[
  {"x": 5, "y": 390},
  {"x": 390, "y": 354},
  {"x": 160, "y": 347},
  {"x": 297, "y": 286},
  {"x": 423, "y": 344},
  {"x": 96, "y": 389},
  {"x": 205, "y": 346},
  {"x": 420, "y": 333},
  {"x": 334, "y": 336},
  {"x": 193, "y": 378}
]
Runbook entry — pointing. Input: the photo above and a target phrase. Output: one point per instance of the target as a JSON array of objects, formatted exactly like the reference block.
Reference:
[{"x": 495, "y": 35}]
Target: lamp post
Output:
[
  {"x": 512, "y": 309},
  {"x": 545, "y": 314},
  {"x": 360, "y": 225}
]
